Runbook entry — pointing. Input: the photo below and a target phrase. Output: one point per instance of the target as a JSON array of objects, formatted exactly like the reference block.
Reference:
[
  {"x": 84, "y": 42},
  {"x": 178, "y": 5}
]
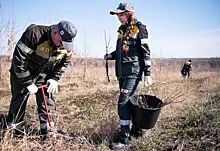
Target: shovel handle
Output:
[
  {"x": 47, "y": 112},
  {"x": 42, "y": 86}
]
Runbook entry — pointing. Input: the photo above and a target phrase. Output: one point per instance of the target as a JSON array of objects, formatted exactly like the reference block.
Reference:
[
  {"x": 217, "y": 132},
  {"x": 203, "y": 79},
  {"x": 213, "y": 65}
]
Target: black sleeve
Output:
[
  {"x": 60, "y": 68},
  {"x": 120, "y": 34},
  {"x": 113, "y": 55},
  {"x": 143, "y": 37},
  {"x": 23, "y": 49}
]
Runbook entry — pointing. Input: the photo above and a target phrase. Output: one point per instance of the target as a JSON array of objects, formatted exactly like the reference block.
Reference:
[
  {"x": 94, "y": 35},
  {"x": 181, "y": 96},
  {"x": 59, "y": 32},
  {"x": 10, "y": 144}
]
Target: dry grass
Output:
[{"x": 87, "y": 108}]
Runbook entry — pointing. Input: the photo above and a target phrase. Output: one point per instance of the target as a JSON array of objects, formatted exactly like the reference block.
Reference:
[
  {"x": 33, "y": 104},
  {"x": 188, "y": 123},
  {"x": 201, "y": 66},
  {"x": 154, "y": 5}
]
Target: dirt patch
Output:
[{"x": 4, "y": 93}]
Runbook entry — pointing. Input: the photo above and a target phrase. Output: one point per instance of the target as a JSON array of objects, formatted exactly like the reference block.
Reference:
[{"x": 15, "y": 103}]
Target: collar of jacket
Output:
[
  {"x": 54, "y": 47},
  {"x": 122, "y": 29}
]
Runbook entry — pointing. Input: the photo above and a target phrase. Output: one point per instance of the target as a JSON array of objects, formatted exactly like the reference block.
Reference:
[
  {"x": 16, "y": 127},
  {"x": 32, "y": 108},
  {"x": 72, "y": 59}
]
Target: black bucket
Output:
[{"x": 145, "y": 110}]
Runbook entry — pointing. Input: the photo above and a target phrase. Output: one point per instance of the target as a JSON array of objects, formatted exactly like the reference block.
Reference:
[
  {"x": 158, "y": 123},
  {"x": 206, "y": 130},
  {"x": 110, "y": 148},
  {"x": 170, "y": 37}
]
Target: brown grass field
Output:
[{"x": 87, "y": 108}]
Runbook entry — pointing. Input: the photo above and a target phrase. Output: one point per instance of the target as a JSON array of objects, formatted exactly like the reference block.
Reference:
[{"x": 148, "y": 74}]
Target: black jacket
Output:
[
  {"x": 137, "y": 60},
  {"x": 187, "y": 66},
  {"x": 35, "y": 53}
]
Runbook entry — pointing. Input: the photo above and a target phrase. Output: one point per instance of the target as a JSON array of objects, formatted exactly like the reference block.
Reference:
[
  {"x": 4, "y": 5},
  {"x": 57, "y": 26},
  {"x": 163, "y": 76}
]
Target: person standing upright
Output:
[{"x": 132, "y": 57}]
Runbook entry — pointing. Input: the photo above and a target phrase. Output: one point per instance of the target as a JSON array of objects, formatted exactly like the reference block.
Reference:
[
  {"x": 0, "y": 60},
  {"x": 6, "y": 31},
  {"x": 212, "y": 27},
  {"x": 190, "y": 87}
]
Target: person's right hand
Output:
[
  {"x": 32, "y": 88},
  {"x": 107, "y": 56}
]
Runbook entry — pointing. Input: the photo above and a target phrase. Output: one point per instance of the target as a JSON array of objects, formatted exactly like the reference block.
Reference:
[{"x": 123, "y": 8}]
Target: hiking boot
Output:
[
  {"x": 17, "y": 129},
  {"x": 44, "y": 134},
  {"x": 124, "y": 139},
  {"x": 138, "y": 132},
  {"x": 124, "y": 135}
]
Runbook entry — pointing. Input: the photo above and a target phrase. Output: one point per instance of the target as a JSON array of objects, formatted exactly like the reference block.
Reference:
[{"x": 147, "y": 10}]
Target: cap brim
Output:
[
  {"x": 68, "y": 45},
  {"x": 117, "y": 11}
]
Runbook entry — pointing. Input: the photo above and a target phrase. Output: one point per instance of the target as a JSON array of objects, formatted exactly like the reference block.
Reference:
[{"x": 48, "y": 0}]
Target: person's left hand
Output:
[
  {"x": 107, "y": 56},
  {"x": 147, "y": 80},
  {"x": 53, "y": 86}
]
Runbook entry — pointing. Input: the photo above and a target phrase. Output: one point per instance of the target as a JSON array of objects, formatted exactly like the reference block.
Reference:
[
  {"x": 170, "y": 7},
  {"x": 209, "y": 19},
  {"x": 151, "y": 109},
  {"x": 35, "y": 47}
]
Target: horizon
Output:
[{"x": 177, "y": 29}]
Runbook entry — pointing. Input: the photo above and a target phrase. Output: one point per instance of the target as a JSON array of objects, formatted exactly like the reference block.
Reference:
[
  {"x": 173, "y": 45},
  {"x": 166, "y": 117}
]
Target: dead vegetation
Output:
[{"x": 87, "y": 109}]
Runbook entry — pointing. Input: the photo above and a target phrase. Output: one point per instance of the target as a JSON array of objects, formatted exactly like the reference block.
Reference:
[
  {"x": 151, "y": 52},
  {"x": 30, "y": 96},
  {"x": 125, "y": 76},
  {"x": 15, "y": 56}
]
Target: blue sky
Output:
[{"x": 177, "y": 28}]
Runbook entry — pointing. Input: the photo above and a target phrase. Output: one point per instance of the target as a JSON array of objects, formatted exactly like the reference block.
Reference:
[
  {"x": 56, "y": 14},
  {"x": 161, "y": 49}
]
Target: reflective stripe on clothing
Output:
[
  {"x": 132, "y": 43},
  {"x": 147, "y": 63},
  {"x": 144, "y": 41},
  {"x": 130, "y": 61},
  {"x": 22, "y": 74},
  {"x": 124, "y": 122},
  {"x": 24, "y": 48},
  {"x": 42, "y": 54}
]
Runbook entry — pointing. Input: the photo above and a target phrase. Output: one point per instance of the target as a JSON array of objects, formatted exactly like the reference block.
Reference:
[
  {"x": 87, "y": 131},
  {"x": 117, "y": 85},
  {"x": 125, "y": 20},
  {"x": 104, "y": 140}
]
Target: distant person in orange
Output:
[{"x": 187, "y": 67}]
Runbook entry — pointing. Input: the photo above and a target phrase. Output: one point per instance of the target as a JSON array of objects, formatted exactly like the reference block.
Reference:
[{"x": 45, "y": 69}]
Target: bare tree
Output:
[
  {"x": 107, "y": 43},
  {"x": 3, "y": 46},
  {"x": 11, "y": 39},
  {"x": 7, "y": 39},
  {"x": 86, "y": 48}
]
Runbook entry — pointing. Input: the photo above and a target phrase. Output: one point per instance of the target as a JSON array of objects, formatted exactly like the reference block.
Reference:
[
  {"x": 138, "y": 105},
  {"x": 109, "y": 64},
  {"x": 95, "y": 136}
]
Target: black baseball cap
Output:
[{"x": 67, "y": 32}]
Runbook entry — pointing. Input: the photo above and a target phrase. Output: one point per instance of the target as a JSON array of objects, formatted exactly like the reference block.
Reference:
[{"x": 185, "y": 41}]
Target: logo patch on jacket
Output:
[
  {"x": 44, "y": 50},
  {"x": 134, "y": 33}
]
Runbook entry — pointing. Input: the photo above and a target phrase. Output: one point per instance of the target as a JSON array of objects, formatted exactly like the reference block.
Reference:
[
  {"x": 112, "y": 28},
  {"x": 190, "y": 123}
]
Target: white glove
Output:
[
  {"x": 32, "y": 88},
  {"x": 107, "y": 56},
  {"x": 147, "y": 80},
  {"x": 53, "y": 86}
]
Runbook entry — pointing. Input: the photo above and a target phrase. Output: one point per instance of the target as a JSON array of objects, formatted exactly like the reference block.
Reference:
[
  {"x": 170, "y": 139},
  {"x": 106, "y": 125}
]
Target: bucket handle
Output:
[
  {"x": 141, "y": 88},
  {"x": 138, "y": 94}
]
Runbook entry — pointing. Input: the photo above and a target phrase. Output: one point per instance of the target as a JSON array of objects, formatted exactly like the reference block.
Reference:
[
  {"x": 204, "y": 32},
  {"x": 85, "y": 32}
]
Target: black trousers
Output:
[
  {"x": 19, "y": 100},
  {"x": 127, "y": 89},
  {"x": 185, "y": 73}
]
